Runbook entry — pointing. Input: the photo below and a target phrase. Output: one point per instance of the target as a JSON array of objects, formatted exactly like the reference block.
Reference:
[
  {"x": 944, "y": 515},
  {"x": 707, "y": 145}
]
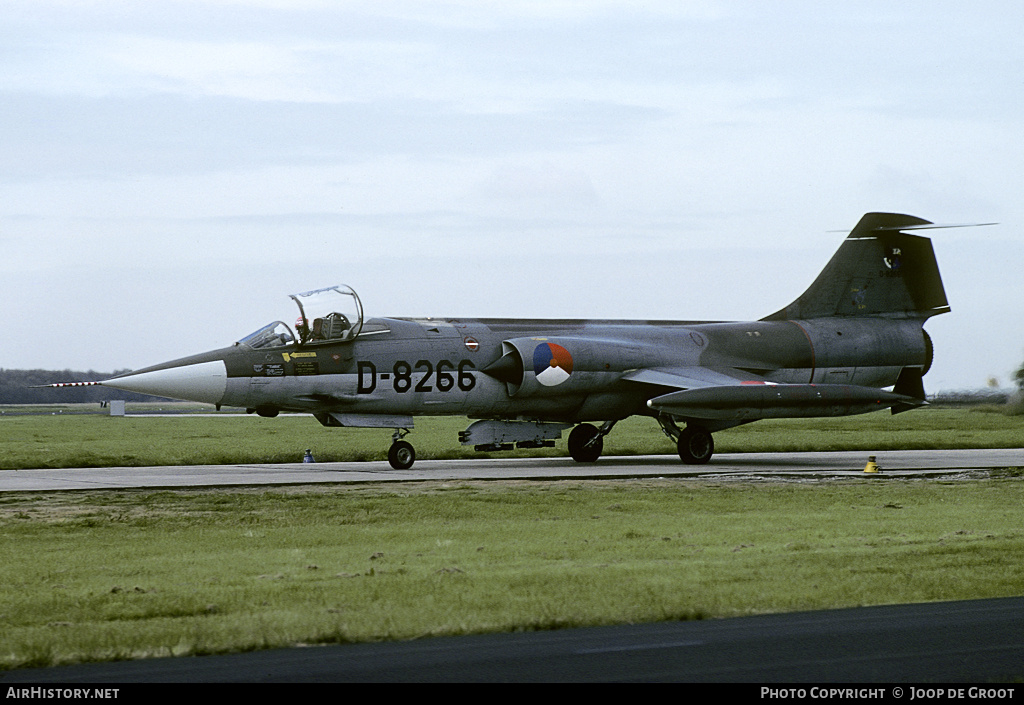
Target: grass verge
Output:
[{"x": 132, "y": 574}]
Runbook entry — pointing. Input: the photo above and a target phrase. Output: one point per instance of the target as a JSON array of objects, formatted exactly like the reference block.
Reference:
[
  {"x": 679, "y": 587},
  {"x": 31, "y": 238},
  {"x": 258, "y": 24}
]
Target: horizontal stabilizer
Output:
[{"x": 933, "y": 226}]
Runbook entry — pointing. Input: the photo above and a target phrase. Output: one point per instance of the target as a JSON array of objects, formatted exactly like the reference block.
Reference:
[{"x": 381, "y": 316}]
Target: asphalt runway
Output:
[
  {"x": 793, "y": 466},
  {"x": 976, "y": 642}
]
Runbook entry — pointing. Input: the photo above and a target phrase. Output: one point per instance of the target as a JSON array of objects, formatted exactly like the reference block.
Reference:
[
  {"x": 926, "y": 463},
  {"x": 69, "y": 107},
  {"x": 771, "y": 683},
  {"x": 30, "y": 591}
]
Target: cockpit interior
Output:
[{"x": 330, "y": 315}]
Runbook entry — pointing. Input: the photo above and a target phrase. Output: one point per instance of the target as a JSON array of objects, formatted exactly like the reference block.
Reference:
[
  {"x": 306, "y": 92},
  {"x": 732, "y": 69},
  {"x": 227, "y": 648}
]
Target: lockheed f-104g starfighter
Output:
[{"x": 854, "y": 342}]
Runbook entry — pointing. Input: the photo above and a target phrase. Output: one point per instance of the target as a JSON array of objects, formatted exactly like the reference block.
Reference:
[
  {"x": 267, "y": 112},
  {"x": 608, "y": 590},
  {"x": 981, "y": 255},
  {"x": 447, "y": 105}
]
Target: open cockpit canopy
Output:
[{"x": 331, "y": 315}]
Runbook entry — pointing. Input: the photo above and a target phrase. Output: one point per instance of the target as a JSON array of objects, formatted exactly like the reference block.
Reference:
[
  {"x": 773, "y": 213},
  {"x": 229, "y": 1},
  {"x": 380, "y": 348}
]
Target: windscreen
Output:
[{"x": 272, "y": 335}]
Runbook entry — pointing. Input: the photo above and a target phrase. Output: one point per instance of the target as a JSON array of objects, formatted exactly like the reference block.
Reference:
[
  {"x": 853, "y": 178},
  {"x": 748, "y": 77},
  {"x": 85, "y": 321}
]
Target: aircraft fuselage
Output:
[{"x": 441, "y": 367}]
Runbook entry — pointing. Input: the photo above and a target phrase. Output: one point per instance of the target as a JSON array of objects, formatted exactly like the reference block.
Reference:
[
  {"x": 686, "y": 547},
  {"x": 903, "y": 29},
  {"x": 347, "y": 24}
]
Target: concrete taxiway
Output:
[{"x": 737, "y": 466}]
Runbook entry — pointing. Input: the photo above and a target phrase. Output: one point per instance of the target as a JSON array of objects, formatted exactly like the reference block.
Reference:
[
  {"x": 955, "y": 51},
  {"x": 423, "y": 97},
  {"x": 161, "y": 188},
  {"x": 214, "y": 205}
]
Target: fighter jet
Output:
[{"x": 854, "y": 342}]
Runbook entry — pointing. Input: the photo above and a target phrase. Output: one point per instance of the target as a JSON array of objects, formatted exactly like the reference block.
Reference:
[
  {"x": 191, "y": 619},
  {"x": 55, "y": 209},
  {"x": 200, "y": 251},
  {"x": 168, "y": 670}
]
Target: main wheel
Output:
[
  {"x": 579, "y": 438},
  {"x": 695, "y": 445},
  {"x": 401, "y": 455}
]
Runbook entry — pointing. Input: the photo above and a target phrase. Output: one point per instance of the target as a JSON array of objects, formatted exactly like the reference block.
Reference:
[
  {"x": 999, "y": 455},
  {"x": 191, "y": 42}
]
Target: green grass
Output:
[
  {"x": 69, "y": 440},
  {"x": 130, "y": 574}
]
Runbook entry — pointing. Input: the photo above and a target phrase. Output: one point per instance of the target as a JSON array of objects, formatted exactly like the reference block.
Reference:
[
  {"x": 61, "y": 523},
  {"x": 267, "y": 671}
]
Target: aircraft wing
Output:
[{"x": 692, "y": 377}]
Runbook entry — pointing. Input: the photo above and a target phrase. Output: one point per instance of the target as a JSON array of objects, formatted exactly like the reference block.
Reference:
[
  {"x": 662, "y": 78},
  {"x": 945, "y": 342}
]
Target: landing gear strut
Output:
[
  {"x": 401, "y": 454},
  {"x": 694, "y": 443},
  {"x": 587, "y": 442}
]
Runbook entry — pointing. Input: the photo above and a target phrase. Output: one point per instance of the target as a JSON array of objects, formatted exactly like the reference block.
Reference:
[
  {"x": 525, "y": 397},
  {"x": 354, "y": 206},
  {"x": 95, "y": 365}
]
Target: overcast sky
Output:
[{"x": 171, "y": 171}]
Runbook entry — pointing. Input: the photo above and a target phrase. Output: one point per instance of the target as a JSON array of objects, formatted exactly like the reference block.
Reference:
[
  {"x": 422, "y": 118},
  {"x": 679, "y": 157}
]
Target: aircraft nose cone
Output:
[{"x": 203, "y": 382}]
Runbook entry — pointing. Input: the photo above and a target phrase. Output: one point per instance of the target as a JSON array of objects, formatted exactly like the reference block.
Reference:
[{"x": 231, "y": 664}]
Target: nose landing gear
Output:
[
  {"x": 401, "y": 454},
  {"x": 587, "y": 442}
]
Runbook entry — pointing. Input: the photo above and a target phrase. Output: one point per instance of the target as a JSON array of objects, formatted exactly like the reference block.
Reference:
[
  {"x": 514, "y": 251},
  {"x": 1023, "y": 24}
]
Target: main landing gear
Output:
[
  {"x": 586, "y": 442},
  {"x": 694, "y": 443}
]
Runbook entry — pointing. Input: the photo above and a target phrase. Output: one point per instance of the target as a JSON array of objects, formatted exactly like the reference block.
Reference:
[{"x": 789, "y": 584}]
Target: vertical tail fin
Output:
[{"x": 877, "y": 271}]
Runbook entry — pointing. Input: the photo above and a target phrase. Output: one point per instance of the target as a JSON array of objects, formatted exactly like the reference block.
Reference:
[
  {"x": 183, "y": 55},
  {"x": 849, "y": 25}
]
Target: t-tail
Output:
[{"x": 879, "y": 270}]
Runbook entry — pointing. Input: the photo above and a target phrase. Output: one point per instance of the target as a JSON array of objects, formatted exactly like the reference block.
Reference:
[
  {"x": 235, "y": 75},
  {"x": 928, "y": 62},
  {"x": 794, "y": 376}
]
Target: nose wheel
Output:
[
  {"x": 586, "y": 442},
  {"x": 401, "y": 454}
]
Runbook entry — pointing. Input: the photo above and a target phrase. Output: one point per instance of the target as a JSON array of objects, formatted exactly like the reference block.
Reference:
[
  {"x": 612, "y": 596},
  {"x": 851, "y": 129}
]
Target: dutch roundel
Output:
[{"x": 552, "y": 364}]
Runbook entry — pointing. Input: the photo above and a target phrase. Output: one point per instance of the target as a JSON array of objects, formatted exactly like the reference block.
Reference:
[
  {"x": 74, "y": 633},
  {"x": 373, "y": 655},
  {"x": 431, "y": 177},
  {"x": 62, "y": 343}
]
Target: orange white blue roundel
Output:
[{"x": 552, "y": 364}]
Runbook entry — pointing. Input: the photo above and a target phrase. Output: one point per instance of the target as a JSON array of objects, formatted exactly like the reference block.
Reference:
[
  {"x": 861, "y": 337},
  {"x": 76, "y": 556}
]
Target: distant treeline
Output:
[{"x": 16, "y": 388}]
